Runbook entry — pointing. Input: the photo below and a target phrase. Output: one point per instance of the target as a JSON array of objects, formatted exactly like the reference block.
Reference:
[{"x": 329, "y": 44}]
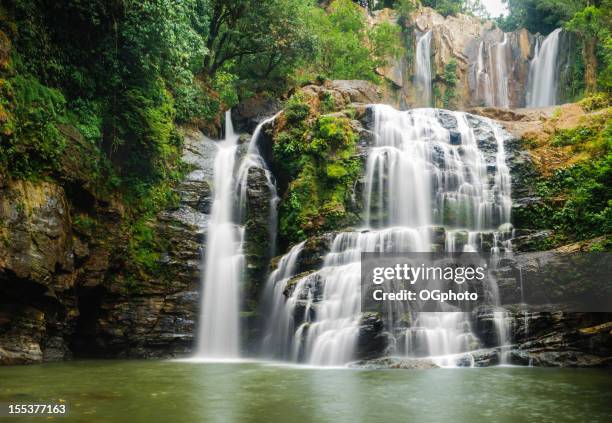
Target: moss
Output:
[
  {"x": 84, "y": 224},
  {"x": 317, "y": 159},
  {"x": 32, "y": 144},
  {"x": 577, "y": 203},
  {"x": 576, "y": 188},
  {"x": 143, "y": 245},
  {"x": 444, "y": 87},
  {"x": 604, "y": 245}
]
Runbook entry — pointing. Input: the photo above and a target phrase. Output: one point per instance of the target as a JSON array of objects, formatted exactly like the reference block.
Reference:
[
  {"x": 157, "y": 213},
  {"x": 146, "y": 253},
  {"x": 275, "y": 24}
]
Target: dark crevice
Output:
[
  {"x": 81, "y": 199},
  {"x": 86, "y": 341}
]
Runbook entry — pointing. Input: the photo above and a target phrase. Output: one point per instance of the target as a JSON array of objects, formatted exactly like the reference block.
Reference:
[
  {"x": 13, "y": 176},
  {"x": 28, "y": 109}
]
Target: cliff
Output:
[{"x": 488, "y": 66}]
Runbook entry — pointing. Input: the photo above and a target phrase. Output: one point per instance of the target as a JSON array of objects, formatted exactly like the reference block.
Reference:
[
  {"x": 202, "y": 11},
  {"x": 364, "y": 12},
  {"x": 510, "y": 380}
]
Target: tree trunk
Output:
[{"x": 590, "y": 63}]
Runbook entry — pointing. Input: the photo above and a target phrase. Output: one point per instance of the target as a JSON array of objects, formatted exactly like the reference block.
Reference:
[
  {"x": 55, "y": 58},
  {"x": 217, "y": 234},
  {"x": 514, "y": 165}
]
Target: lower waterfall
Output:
[
  {"x": 220, "y": 301},
  {"x": 430, "y": 185}
]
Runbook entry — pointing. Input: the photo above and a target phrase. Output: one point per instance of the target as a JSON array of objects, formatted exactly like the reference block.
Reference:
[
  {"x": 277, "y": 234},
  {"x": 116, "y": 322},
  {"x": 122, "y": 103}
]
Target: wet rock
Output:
[
  {"x": 403, "y": 363},
  {"x": 565, "y": 358},
  {"x": 372, "y": 341},
  {"x": 314, "y": 252},
  {"x": 251, "y": 112},
  {"x": 455, "y": 138},
  {"x": 530, "y": 240},
  {"x": 438, "y": 237},
  {"x": 447, "y": 119},
  {"x": 36, "y": 267},
  {"x": 486, "y": 325},
  {"x": 480, "y": 358},
  {"x": 36, "y": 229},
  {"x": 259, "y": 241}
]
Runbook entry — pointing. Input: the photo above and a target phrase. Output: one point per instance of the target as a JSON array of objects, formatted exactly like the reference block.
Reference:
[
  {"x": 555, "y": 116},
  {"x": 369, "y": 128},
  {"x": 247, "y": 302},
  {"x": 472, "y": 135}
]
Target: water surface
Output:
[{"x": 165, "y": 391}]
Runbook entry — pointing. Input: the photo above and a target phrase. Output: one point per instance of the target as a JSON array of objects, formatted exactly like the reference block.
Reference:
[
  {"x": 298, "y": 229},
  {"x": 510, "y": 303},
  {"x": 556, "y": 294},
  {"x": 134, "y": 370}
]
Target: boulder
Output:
[
  {"x": 372, "y": 341},
  {"x": 343, "y": 92},
  {"x": 252, "y": 111}
]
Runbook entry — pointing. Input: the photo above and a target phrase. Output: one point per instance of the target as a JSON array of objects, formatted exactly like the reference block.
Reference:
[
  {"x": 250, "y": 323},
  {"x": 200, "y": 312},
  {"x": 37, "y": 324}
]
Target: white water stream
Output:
[
  {"x": 422, "y": 70},
  {"x": 219, "y": 330},
  {"x": 224, "y": 263},
  {"x": 420, "y": 177},
  {"x": 543, "y": 75},
  {"x": 492, "y": 85}
]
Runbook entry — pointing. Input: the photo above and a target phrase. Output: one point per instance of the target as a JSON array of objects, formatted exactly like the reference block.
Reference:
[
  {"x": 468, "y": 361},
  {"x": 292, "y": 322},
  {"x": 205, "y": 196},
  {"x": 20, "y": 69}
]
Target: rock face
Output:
[
  {"x": 344, "y": 92},
  {"x": 37, "y": 263},
  {"x": 492, "y": 66},
  {"x": 64, "y": 289},
  {"x": 249, "y": 113}
]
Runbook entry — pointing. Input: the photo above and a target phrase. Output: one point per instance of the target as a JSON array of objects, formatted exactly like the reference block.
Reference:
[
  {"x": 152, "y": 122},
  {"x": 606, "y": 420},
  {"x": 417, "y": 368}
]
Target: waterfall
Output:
[
  {"x": 224, "y": 263},
  {"x": 492, "y": 73},
  {"x": 279, "y": 325},
  {"x": 422, "y": 71},
  {"x": 426, "y": 172},
  {"x": 501, "y": 72},
  {"x": 253, "y": 159},
  {"x": 484, "y": 89},
  {"x": 543, "y": 75}
]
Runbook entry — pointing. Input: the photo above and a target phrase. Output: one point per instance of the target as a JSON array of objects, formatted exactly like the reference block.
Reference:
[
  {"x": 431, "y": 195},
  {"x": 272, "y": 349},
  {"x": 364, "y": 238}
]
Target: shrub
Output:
[
  {"x": 296, "y": 110},
  {"x": 595, "y": 101},
  {"x": 318, "y": 192}
]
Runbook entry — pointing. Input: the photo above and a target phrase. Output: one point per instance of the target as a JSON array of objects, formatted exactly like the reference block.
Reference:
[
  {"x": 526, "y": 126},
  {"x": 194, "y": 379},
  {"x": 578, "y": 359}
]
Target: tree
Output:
[
  {"x": 541, "y": 16},
  {"x": 445, "y": 7},
  {"x": 258, "y": 37},
  {"x": 345, "y": 47},
  {"x": 593, "y": 24}
]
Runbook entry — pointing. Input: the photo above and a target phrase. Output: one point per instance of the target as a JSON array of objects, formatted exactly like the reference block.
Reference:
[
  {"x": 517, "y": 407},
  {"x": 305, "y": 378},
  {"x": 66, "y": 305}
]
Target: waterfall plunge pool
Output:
[{"x": 174, "y": 391}]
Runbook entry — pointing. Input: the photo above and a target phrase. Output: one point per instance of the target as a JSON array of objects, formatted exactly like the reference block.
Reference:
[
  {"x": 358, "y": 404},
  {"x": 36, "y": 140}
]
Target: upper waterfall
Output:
[
  {"x": 542, "y": 85},
  {"x": 492, "y": 72},
  {"x": 422, "y": 69}
]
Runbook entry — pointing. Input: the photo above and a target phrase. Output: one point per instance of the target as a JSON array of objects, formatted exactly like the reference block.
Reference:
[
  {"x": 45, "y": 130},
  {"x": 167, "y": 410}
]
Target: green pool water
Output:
[{"x": 166, "y": 391}]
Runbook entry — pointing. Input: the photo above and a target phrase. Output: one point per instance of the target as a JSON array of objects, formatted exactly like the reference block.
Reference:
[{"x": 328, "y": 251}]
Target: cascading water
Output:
[
  {"x": 426, "y": 174},
  {"x": 253, "y": 159},
  {"x": 484, "y": 90},
  {"x": 542, "y": 82},
  {"x": 492, "y": 72},
  {"x": 501, "y": 73},
  {"x": 422, "y": 71},
  {"x": 224, "y": 264},
  {"x": 278, "y": 326}
]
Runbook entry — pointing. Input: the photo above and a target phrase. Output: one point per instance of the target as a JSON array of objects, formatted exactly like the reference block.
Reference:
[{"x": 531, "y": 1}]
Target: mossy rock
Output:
[{"x": 316, "y": 158}]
